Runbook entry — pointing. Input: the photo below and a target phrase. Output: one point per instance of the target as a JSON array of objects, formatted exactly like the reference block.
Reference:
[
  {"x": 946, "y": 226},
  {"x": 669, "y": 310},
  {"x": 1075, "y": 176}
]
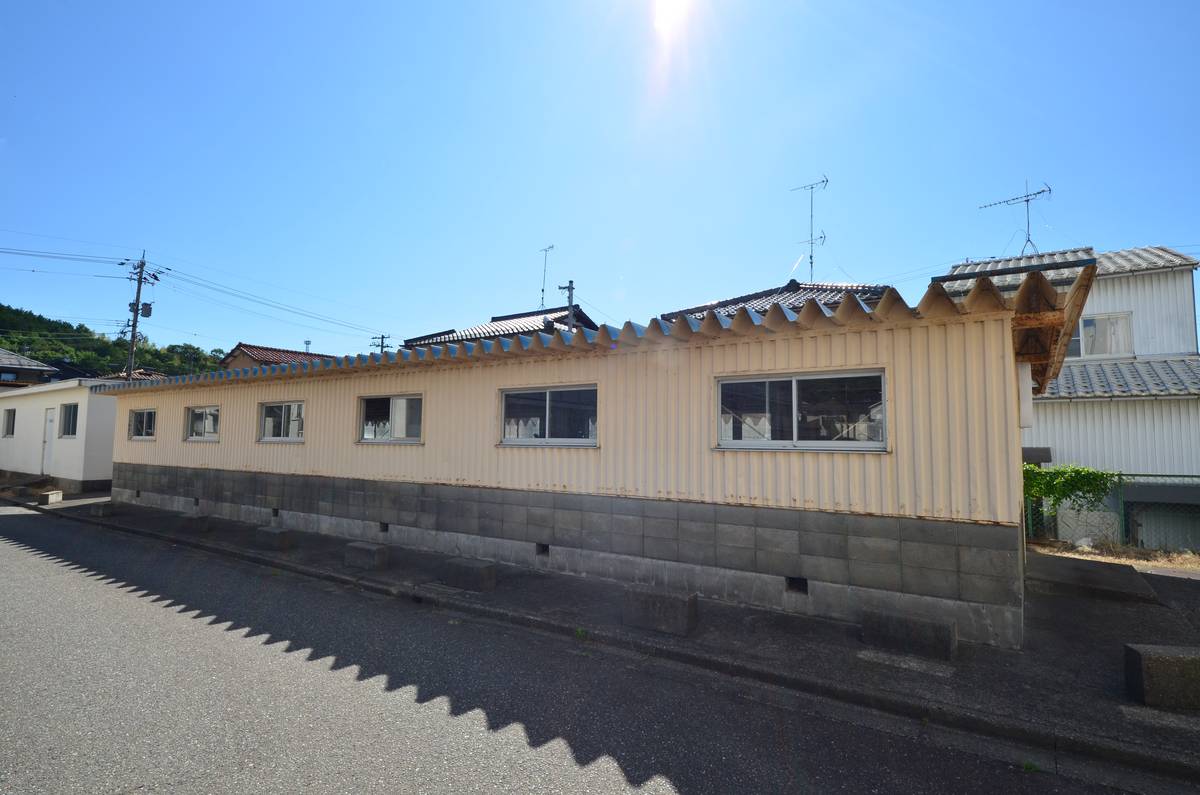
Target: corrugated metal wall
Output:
[
  {"x": 952, "y": 423},
  {"x": 1154, "y": 437},
  {"x": 1164, "y": 314}
]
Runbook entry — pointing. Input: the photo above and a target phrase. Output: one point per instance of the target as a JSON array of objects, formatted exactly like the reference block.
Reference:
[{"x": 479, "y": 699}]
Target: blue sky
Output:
[{"x": 398, "y": 166}]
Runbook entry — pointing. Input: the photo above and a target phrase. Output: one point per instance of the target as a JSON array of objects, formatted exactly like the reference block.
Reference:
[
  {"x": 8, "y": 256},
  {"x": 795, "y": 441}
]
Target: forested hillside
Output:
[{"x": 41, "y": 338}]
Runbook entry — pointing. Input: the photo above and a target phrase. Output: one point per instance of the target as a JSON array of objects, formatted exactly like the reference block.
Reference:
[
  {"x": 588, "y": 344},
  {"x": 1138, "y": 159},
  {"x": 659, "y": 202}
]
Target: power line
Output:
[
  {"x": 59, "y": 255},
  {"x": 62, "y": 273},
  {"x": 210, "y": 300}
]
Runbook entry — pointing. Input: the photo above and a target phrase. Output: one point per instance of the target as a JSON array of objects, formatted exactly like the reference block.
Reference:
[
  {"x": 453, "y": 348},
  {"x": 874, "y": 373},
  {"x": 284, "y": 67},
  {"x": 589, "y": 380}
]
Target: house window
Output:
[
  {"x": 391, "y": 419},
  {"x": 10, "y": 422},
  {"x": 69, "y": 412},
  {"x": 561, "y": 415},
  {"x": 141, "y": 423},
  {"x": 807, "y": 412},
  {"x": 281, "y": 422},
  {"x": 8, "y": 376},
  {"x": 1102, "y": 335},
  {"x": 203, "y": 423}
]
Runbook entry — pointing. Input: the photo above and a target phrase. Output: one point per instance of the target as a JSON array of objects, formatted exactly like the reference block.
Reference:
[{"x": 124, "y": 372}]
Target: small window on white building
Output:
[
  {"x": 10, "y": 422},
  {"x": 203, "y": 423},
  {"x": 69, "y": 414},
  {"x": 391, "y": 419},
  {"x": 817, "y": 412},
  {"x": 281, "y": 422},
  {"x": 560, "y": 415},
  {"x": 142, "y": 423},
  {"x": 1102, "y": 335}
]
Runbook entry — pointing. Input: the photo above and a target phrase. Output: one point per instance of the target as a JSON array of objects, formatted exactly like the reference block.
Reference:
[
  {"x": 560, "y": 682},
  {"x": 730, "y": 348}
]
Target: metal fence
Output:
[{"x": 1151, "y": 511}]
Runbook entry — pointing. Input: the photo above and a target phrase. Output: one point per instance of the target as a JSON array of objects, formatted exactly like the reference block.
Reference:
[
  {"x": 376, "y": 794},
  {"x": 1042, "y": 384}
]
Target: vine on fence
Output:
[{"x": 1082, "y": 488}]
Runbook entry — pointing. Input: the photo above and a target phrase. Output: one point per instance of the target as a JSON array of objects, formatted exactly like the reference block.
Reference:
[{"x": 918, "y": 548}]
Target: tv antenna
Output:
[
  {"x": 813, "y": 238},
  {"x": 545, "y": 260},
  {"x": 1027, "y": 198}
]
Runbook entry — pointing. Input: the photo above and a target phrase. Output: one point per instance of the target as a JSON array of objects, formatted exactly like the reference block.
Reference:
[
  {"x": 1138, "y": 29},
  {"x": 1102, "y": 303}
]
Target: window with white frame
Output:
[
  {"x": 391, "y": 419},
  {"x": 817, "y": 412},
  {"x": 69, "y": 419},
  {"x": 1102, "y": 335},
  {"x": 555, "y": 415},
  {"x": 141, "y": 423},
  {"x": 10, "y": 422},
  {"x": 281, "y": 422},
  {"x": 203, "y": 423}
]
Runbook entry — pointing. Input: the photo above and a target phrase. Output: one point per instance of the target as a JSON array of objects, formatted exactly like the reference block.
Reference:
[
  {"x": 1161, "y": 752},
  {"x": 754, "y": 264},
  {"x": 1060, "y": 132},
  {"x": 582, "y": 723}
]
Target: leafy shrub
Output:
[{"x": 1082, "y": 488}]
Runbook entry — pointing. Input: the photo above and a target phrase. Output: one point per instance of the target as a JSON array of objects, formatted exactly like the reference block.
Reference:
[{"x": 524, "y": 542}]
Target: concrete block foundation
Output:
[
  {"x": 661, "y": 611},
  {"x": 1163, "y": 676}
]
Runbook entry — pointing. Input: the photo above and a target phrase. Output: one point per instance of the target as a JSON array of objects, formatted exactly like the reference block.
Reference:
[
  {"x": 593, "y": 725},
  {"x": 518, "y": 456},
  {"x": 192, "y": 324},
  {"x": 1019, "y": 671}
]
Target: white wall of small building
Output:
[
  {"x": 86, "y": 456},
  {"x": 1163, "y": 304}
]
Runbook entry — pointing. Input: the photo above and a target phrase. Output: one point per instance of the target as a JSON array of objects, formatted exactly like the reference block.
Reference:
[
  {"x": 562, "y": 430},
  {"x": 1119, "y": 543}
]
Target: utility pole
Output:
[
  {"x": 570, "y": 288},
  {"x": 137, "y": 309},
  {"x": 545, "y": 261},
  {"x": 383, "y": 346},
  {"x": 813, "y": 239}
]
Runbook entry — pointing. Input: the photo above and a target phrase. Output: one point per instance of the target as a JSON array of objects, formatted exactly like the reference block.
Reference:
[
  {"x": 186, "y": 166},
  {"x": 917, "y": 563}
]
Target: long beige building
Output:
[{"x": 852, "y": 455}]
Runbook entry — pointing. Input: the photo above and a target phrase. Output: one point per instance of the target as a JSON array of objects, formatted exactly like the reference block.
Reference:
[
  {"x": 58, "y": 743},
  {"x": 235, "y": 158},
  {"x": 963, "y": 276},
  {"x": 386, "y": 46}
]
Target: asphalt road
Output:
[{"x": 128, "y": 665}]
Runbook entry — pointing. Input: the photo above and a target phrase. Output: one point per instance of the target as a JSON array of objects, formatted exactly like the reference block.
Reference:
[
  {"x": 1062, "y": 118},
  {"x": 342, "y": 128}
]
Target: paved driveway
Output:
[{"x": 132, "y": 666}]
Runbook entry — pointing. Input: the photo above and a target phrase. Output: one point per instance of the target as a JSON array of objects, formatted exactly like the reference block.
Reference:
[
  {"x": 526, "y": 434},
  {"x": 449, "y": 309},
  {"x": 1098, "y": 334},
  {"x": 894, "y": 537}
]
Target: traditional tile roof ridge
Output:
[
  {"x": 18, "y": 362},
  {"x": 793, "y": 294},
  {"x": 139, "y": 374},
  {"x": 1108, "y": 263},
  {"x": 268, "y": 355},
  {"x": 549, "y": 319},
  {"x": 1129, "y": 378}
]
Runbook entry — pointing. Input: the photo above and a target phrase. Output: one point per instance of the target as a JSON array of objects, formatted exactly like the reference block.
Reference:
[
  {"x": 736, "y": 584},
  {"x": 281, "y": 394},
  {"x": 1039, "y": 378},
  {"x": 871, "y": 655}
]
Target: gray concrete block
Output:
[
  {"x": 594, "y": 522},
  {"x": 595, "y": 539},
  {"x": 567, "y": 536},
  {"x": 778, "y": 518},
  {"x": 626, "y": 544},
  {"x": 363, "y": 555},
  {"x": 567, "y": 519},
  {"x": 660, "y": 509},
  {"x": 469, "y": 574},
  {"x": 782, "y": 564},
  {"x": 989, "y": 562},
  {"x": 929, "y": 582},
  {"x": 595, "y": 503},
  {"x": 490, "y": 527},
  {"x": 515, "y": 513},
  {"x": 49, "y": 497},
  {"x": 873, "y": 526},
  {"x": 873, "y": 550},
  {"x": 929, "y": 556},
  {"x": 629, "y": 525},
  {"x": 773, "y": 539},
  {"x": 697, "y": 512},
  {"x": 540, "y": 499},
  {"x": 823, "y": 522},
  {"x": 827, "y": 545},
  {"x": 735, "y": 515},
  {"x": 568, "y": 502},
  {"x": 274, "y": 538},
  {"x": 989, "y": 590},
  {"x": 882, "y": 576},
  {"x": 660, "y": 548},
  {"x": 491, "y": 510},
  {"x": 697, "y": 531},
  {"x": 626, "y": 506},
  {"x": 990, "y": 536},
  {"x": 736, "y": 535},
  {"x": 1163, "y": 676},
  {"x": 101, "y": 509},
  {"x": 514, "y": 531},
  {"x": 654, "y": 609},
  {"x": 698, "y": 553},
  {"x": 927, "y": 531},
  {"x": 909, "y": 634},
  {"x": 741, "y": 558},
  {"x": 656, "y": 527},
  {"x": 542, "y": 517},
  {"x": 538, "y": 534},
  {"x": 831, "y": 570}
]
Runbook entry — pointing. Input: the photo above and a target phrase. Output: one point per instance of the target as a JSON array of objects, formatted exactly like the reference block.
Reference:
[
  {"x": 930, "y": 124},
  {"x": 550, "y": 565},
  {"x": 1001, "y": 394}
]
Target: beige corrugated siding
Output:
[{"x": 951, "y": 411}]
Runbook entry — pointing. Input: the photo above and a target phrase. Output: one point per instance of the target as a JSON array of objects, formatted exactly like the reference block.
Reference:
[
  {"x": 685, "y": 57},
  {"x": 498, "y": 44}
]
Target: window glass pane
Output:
[
  {"x": 212, "y": 421},
  {"x": 840, "y": 409},
  {"x": 411, "y": 417},
  {"x": 272, "y": 422},
  {"x": 743, "y": 411},
  {"x": 1074, "y": 347},
  {"x": 70, "y": 419},
  {"x": 573, "y": 414},
  {"x": 149, "y": 423},
  {"x": 377, "y": 418},
  {"x": 524, "y": 415},
  {"x": 779, "y": 410},
  {"x": 10, "y": 422},
  {"x": 1106, "y": 335},
  {"x": 294, "y": 420}
]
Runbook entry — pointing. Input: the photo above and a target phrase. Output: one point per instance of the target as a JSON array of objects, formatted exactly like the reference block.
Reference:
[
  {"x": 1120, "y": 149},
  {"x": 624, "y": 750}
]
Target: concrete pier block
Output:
[
  {"x": 101, "y": 510},
  {"x": 364, "y": 555},
  {"x": 661, "y": 611},
  {"x": 1163, "y": 676},
  {"x": 469, "y": 574},
  {"x": 49, "y": 497},
  {"x": 930, "y": 637},
  {"x": 274, "y": 538}
]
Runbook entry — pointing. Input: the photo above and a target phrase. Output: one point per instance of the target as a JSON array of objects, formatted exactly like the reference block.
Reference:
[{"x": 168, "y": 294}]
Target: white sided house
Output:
[
  {"x": 62, "y": 430},
  {"x": 826, "y": 452},
  {"x": 1128, "y": 397}
]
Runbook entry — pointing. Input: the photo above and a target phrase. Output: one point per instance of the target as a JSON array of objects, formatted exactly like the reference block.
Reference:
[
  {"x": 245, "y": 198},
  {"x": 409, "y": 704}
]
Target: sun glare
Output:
[{"x": 670, "y": 16}]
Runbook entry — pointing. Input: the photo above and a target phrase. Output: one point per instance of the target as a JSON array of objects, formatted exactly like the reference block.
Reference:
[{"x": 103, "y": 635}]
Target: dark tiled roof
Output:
[
  {"x": 505, "y": 325},
  {"x": 266, "y": 355},
  {"x": 16, "y": 361},
  {"x": 1108, "y": 263},
  {"x": 792, "y": 295},
  {"x": 139, "y": 374},
  {"x": 1131, "y": 378}
]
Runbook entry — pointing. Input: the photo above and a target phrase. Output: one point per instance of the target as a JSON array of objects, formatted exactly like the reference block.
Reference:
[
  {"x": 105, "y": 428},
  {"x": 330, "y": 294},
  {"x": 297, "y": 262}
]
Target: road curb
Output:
[{"x": 942, "y": 715}]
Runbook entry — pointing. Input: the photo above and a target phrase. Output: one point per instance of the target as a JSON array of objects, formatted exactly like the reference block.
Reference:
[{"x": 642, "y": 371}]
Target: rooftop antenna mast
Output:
[
  {"x": 1027, "y": 198},
  {"x": 545, "y": 260},
  {"x": 813, "y": 238}
]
